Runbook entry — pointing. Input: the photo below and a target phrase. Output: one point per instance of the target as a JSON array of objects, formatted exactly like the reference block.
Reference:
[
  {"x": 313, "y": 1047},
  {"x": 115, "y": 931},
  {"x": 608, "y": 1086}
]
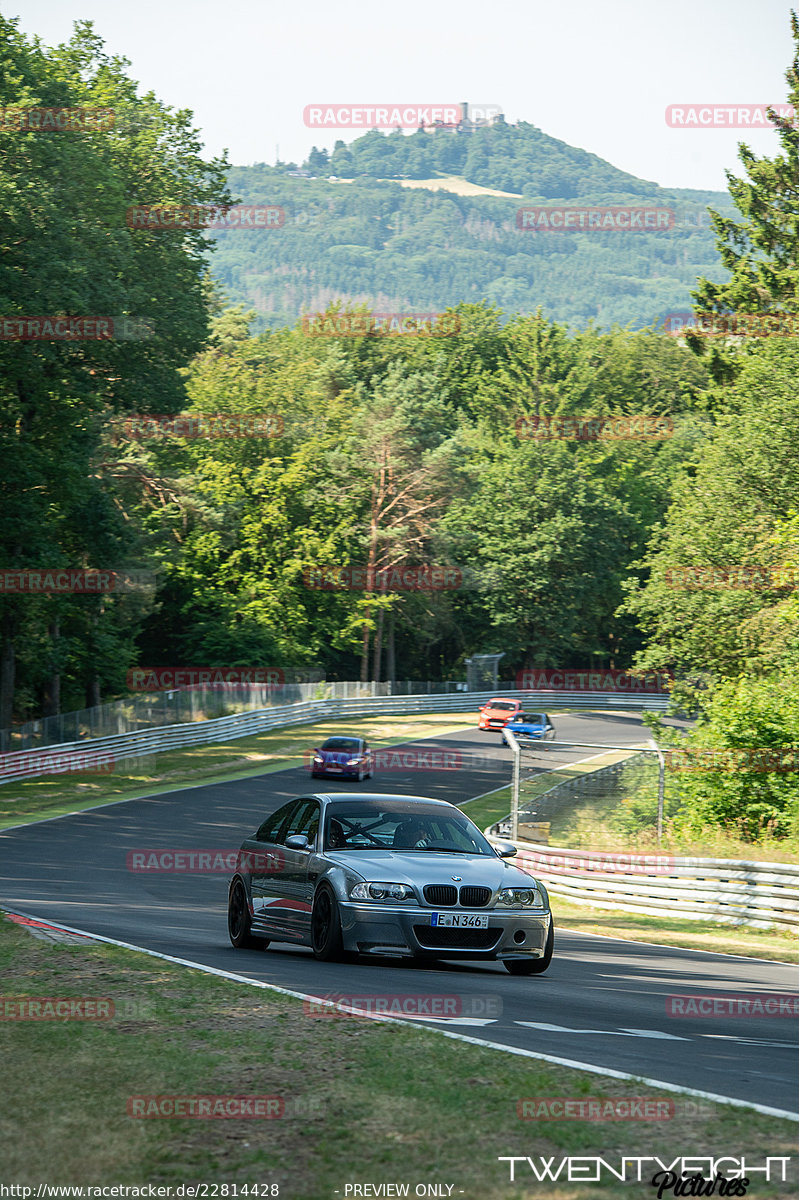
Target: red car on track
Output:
[{"x": 495, "y": 714}]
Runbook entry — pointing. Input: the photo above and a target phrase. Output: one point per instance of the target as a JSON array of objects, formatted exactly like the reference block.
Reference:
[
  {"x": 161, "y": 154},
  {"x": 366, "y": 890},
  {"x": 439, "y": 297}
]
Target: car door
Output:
[
  {"x": 296, "y": 888},
  {"x": 268, "y": 865}
]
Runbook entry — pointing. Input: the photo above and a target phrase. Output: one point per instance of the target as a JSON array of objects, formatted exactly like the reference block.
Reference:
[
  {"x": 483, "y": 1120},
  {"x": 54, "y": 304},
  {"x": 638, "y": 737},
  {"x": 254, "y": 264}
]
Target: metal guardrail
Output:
[
  {"x": 30, "y": 764},
  {"x": 211, "y": 701},
  {"x": 149, "y": 709},
  {"x": 725, "y": 891}
]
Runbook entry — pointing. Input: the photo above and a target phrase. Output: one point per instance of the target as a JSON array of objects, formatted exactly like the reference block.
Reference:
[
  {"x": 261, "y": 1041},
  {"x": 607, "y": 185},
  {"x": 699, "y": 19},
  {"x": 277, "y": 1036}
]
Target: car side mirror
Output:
[
  {"x": 505, "y": 849},
  {"x": 298, "y": 841}
]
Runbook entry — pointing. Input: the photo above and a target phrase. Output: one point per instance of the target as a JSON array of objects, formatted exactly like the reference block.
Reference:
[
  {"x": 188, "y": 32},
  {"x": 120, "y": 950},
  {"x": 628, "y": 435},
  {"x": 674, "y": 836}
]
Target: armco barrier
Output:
[
  {"x": 22, "y": 764},
  {"x": 760, "y": 894}
]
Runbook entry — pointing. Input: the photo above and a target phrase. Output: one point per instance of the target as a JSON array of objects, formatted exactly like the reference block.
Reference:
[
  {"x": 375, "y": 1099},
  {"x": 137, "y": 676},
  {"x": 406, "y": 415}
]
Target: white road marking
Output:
[
  {"x": 647, "y": 1033},
  {"x": 475, "y": 1021},
  {"x": 729, "y": 1037}
]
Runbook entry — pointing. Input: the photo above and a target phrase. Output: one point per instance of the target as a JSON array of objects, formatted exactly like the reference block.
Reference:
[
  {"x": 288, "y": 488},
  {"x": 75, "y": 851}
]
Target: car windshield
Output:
[
  {"x": 341, "y": 743},
  {"x": 381, "y": 825},
  {"x": 503, "y": 705},
  {"x": 530, "y": 718}
]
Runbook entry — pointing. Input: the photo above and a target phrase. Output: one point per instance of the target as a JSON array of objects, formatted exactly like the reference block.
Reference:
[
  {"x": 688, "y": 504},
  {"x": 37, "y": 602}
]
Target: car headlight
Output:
[
  {"x": 318, "y": 758},
  {"x": 382, "y": 891},
  {"x": 353, "y": 762},
  {"x": 520, "y": 897}
]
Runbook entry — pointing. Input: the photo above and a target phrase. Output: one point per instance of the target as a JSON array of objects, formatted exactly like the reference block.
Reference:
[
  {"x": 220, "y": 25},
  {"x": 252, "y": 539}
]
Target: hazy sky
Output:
[{"x": 595, "y": 74}]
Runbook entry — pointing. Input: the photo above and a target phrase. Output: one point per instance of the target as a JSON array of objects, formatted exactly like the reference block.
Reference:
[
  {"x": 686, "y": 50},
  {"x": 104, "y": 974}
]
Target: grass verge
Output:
[
  {"x": 364, "y": 1102},
  {"x": 779, "y": 945}
]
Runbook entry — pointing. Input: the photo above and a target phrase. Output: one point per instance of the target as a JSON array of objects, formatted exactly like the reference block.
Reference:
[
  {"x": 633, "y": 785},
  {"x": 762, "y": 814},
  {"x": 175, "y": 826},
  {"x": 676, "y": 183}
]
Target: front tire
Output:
[
  {"x": 533, "y": 966},
  {"x": 238, "y": 920},
  {"x": 327, "y": 942}
]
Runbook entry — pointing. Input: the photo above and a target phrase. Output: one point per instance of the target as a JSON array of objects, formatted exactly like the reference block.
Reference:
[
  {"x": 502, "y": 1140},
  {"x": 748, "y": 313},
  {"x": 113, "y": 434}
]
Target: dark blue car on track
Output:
[{"x": 347, "y": 757}]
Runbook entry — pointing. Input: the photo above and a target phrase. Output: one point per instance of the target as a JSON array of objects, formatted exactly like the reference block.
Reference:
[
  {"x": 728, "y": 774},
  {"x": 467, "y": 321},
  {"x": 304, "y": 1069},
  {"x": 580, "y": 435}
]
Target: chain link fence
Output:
[
  {"x": 621, "y": 787},
  {"x": 200, "y": 702}
]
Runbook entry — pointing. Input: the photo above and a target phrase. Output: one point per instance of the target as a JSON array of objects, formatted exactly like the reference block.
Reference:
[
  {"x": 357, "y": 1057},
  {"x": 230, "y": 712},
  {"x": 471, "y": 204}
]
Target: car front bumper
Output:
[{"x": 396, "y": 929}]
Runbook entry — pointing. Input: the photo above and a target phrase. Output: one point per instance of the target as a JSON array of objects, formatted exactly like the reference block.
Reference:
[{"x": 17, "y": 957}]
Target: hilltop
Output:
[{"x": 426, "y": 221}]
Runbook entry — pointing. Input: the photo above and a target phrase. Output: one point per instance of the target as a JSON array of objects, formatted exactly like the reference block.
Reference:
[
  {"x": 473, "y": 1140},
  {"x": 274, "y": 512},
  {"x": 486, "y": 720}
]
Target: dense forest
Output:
[
  {"x": 371, "y": 240},
  {"x": 391, "y": 452}
]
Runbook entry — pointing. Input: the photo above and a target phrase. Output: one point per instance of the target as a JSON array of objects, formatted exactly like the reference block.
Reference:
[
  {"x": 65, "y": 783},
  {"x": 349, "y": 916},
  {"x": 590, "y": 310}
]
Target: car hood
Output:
[{"x": 426, "y": 866}]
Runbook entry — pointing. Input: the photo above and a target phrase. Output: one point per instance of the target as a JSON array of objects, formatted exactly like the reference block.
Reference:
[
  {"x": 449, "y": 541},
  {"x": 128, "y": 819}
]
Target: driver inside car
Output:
[
  {"x": 411, "y": 835},
  {"x": 335, "y": 835}
]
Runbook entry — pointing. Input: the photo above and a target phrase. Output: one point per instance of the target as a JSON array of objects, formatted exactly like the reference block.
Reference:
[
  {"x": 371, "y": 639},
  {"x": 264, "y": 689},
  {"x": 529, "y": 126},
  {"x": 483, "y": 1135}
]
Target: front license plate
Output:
[
  {"x": 459, "y": 920},
  {"x": 335, "y": 768}
]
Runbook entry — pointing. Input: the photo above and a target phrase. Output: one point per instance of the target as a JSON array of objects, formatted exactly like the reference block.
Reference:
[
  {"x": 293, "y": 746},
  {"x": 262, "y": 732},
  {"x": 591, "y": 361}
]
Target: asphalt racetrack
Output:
[{"x": 603, "y": 1002}]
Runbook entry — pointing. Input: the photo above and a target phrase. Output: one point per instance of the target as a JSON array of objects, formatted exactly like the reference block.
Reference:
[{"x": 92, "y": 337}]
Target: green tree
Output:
[{"x": 67, "y": 252}]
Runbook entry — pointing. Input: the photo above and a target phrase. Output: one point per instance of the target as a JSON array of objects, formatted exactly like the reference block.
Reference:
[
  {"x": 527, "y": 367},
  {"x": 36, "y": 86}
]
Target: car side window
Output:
[
  {"x": 304, "y": 821},
  {"x": 274, "y": 827}
]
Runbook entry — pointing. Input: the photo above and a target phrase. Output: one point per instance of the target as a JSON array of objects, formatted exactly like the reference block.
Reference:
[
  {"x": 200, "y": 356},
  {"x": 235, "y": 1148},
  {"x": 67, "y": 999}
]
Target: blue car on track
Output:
[
  {"x": 530, "y": 727},
  {"x": 347, "y": 757}
]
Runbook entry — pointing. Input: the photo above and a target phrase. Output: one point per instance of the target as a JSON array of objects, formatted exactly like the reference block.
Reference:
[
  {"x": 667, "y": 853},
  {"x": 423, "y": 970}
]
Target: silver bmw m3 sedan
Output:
[{"x": 350, "y": 874}]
